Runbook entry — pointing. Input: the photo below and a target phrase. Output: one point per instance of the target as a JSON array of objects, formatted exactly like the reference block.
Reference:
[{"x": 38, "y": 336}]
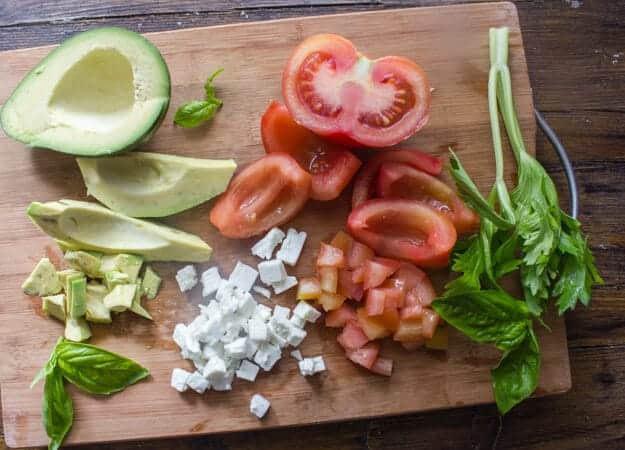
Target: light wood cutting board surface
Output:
[{"x": 451, "y": 43}]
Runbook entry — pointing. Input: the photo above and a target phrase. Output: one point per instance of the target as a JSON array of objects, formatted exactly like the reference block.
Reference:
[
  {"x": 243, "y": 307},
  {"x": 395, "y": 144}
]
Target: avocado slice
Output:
[
  {"x": 152, "y": 184},
  {"x": 77, "y": 330},
  {"x": 115, "y": 278},
  {"x": 43, "y": 280},
  {"x": 136, "y": 306},
  {"x": 76, "y": 293},
  {"x": 151, "y": 283},
  {"x": 130, "y": 265},
  {"x": 101, "y": 92},
  {"x": 108, "y": 264},
  {"x": 121, "y": 297},
  {"x": 64, "y": 274},
  {"x": 94, "y": 227},
  {"x": 54, "y": 305},
  {"x": 86, "y": 261},
  {"x": 96, "y": 311}
]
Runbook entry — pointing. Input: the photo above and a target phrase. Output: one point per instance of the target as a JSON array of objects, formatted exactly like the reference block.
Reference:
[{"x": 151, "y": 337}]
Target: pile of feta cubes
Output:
[{"x": 234, "y": 335}]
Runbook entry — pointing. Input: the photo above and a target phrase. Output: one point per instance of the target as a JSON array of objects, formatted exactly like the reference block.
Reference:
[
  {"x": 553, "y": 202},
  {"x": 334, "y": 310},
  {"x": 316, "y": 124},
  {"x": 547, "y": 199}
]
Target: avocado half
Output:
[{"x": 100, "y": 92}]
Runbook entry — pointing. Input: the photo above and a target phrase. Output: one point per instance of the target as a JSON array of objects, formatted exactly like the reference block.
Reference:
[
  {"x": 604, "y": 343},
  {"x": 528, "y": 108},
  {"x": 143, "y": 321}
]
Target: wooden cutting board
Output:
[{"x": 450, "y": 42}]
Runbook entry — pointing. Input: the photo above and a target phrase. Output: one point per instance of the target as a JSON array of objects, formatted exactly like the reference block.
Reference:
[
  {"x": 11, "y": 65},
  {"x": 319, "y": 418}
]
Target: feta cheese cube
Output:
[
  {"x": 307, "y": 312},
  {"x": 197, "y": 382},
  {"x": 246, "y": 304},
  {"x": 199, "y": 363},
  {"x": 306, "y": 367},
  {"x": 209, "y": 331},
  {"x": 186, "y": 278},
  {"x": 265, "y": 247},
  {"x": 281, "y": 312},
  {"x": 224, "y": 383},
  {"x": 179, "y": 379},
  {"x": 180, "y": 335},
  {"x": 292, "y": 247},
  {"x": 278, "y": 330},
  {"x": 210, "y": 281},
  {"x": 212, "y": 309},
  {"x": 236, "y": 349},
  {"x": 257, "y": 330},
  {"x": 267, "y": 355},
  {"x": 284, "y": 285},
  {"x": 192, "y": 346},
  {"x": 252, "y": 347},
  {"x": 225, "y": 291},
  {"x": 247, "y": 370},
  {"x": 232, "y": 333},
  {"x": 213, "y": 350},
  {"x": 272, "y": 271},
  {"x": 259, "y": 405},
  {"x": 297, "y": 355},
  {"x": 319, "y": 364},
  {"x": 296, "y": 336},
  {"x": 297, "y": 321},
  {"x": 243, "y": 276},
  {"x": 263, "y": 312},
  {"x": 262, "y": 291},
  {"x": 215, "y": 369}
]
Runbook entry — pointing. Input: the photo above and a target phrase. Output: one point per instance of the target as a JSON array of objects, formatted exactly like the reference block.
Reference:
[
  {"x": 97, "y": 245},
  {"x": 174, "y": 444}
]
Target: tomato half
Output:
[
  {"x": 365, "y": 182},
  {"x": 396, "y": 180},
  {"x": 404, "y": 229},
  {"x": 267, "y": 193},
  {"x": 332, "y": 166},
  {"x": 335, "y": 91}
]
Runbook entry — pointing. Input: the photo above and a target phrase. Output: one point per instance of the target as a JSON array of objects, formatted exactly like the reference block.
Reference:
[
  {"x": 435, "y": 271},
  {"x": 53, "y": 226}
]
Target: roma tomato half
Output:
[
  {"x": 404, "y": 229},
  {"x": 332, "y": 166},
  {"x": 267, "y": 193},
  {"x": 335, "y": 91}
]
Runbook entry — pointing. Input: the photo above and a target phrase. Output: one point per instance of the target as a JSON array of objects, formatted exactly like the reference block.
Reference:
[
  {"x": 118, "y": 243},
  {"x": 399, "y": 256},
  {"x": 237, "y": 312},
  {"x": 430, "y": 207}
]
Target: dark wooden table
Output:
[{"x": 576, "y": 57}]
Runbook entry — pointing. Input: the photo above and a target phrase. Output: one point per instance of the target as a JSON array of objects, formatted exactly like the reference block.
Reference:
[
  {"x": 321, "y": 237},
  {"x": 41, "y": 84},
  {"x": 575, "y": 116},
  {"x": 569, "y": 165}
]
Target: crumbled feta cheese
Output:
[
  {"x": 192, "y": 346},
  {"x": 232, "y": 333},
  {"x": 246, "y": 304},
  {"x": 267, "y": 355},
  {"x": 306, "y": 311},
  {"x": 186, "y": 278},
  {"x": 259, "y": 405},
  {"x": 297, "y": 321},
  {"x": 281, "y": 312},
  {"x": 306, "y": 367},
  {"x": 297, "y": 355},
  {"x": 197, "y": 382},
  {"x": 243, "y": 276},
  {"x": 199, "y": 363},
  {"x": 215, "y": 369},
  {"x": 213, "y": 350},
  {"x": 265, "y": 247},
  {"x": 247, "y": 370},
  {"x": 257, "y": 330},
  {"x": 262, "y": 291},
  {"x": 213, "y": 309},
  {"x": 210, "y": 281},
  {"x": 319, "y": 364},
  {"x": 210, "y": 330},
  {"x": 296, "y": 336},
  {"x": 180, "y": 335},
  {"x": 252, "y": 347},
  {"x": 224, "y": 383},
  {"x": 236, "y": 349},
  {"x": 179, "y": 379},
  {"x": 272, "y": 271},
  {"x": 263, "y": 312},
  {"x": 225, "y": 291},
  {"x": 292, "y": 247},
  {"x": 284, "y": 285}
]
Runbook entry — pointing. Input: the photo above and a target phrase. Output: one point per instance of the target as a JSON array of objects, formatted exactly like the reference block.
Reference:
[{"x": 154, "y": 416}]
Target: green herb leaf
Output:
[
  {"x": 96, "y": 370},
  {"x": 209, "y": 89},
  {"x": 516, "y": 376},
  {"x": 49, "y": 366},
  {"x": 196, "y": 112},
  {"x": 57, "y": 410}
]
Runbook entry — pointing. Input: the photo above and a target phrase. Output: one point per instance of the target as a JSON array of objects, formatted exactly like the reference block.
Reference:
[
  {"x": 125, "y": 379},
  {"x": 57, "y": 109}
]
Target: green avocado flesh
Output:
[
  {"x": 101, "y": 92},
  {"x": 44, "y": 279},
  {"x": 153, "y": 184},
  {"x": 93, "y": 227}
]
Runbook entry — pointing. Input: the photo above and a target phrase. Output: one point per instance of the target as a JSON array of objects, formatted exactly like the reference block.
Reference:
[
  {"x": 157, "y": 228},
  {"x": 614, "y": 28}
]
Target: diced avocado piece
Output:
[
  {"x": 43, "y": 280},
  {"x": 439, "y": 340},
  {"x": 121, "y": 297},
  {"x": 130, "y": 265},
  {"x": 153, "y": 184},
  {"x": 136, "y": 306},
  {"x": 64, "y": 274},
  {"x": 108, "y": 264},
  {"x": 115, "y": 278},
  {"x": 86, "y": 261},
  {"x": 77, "y": 330},
  {"x": 96, "y": 311},
  {"x": 101, "y": 92},
  {"x": 94, "y": 227},
  {"x": 151, "y": 283},
  {"x": 76, "y": 293},
  {"x": 54, "y": 305}
]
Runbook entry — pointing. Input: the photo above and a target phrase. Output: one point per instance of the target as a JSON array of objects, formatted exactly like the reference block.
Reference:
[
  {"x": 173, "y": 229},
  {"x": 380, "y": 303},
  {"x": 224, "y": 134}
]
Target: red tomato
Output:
[
  {"x": 339, "y": 317},
  {"x": 308, "y": 288},
  {"x": 397, "y": 180},
  {"x": 328, "y": 279},
  {"x": 372, "y": 326},
  {"x": 332, "y": 166},
  {"x": 375, "y": 302},
  {"x": 409, "y": 331},
  {"x": 267, "y": 193},
  {"x": 411, "y": 312},
  {"x": 405, "y": 229},
  {"x": 343, "y": 241},
  {"x": 365, "y": 356},
  {"x": 358, "y": 275},
  {"x": 358, "y": 255},
  {"x": 330, "y": 302},
  {"x": 364, "y": 184},
  {"x": 352, "y": 337},
  {"x": 330, "y": 256},
  {"x": 393, "y": 297},
  {"x": 349, "y": 288},
  {"x": 377, "y": 270},
  {"x": 335, "y": 91},
  {"x": 382, "y": 366},
  {"x": 429, "y": 322}
]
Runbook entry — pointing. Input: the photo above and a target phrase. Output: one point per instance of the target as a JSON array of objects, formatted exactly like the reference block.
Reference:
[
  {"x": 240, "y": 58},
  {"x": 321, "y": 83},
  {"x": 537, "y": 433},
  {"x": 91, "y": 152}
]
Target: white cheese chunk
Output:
[
  {"x": 265, "y": 247},
  {"x": 212, "y": 309},
  {"x": 199, "y": 363},
  {"x": 210, "y": 281},
  {"x": 297, "y": 355},
  {"x": 272, "y": 271},
  {"x": 292, "y": 247},
  {"x": 281, "y": 312},
  {"x": 243, "y": 276},
  {"x": 215, "y": 369},
  {"x": 252, "y": 347},
  {"x": 262, "y": 291},
  {"x": 319, "y": 364},
  {"x": 225, "y": 291},
  {"x": 213, "y": 350},
  {"x": 296, "y": 336},
  {"x": 180, "y": 335},
  {"x": 284, "y": 285},
  {"x": 247, "y": 370},
  {"x": 186, "y": 278},
  {"x": 246, "y": 305},
  {"x": 297, "y": 321},
  {"x": 259, "y": 405},
  {"x": 223, "y": 383},
  {"x": 262, "y": 312},
  {"x": 179, "y": 379},
  {"x": 307, "y": 312},
  {"x": 267, "y": 355},
  {"x": 306, "y": 367},
  {"x": 197, "y": 382},
  {"x": 257, "y": 330},
  {"x": 236, "y": 349}
]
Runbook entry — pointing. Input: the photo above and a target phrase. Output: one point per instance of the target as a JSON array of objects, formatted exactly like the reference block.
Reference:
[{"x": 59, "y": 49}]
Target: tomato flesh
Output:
[
  {"x": 383, "y": 366},
  {"x": 267, "y": 193},
  {"x": 352, "y": 337},
  {"x": 330, "y": 256},
  {"x": 339, "y": 317},
  {"x": 331, "y": 166},
  {"x": 365, "y": 356}
]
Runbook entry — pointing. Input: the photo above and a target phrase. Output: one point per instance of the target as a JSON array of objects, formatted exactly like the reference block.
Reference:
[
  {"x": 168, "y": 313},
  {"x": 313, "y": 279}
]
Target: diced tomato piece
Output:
[
  {"x": 365, "y": 356},
  {"x": 343, "y": 241},
  {"x": 411, "y": 312},
  {"x": 358, "y": 255},
  {"x": 375, "y": 302},
  {"x": 347, "y": 287},
  {"x": 352, "y": 337},
  {"x": 372, "y": 326},
  {"x": 358, "y": 275},
  {"x": 330, "y": 256},
  {"x": 389, "y": 319},
  {"x": 430, "y": 321},
  {"x": 308, "y": 288},
  {"x": 414, "y": 345},
  {"x": 409, "y": 330},
  {"x": 423, "y": 293},
  {"x": 393, "y": 298},
  {"x": 339, "y": 317},
  {"x": 377, "y": 270},
  {"x": 409, "y": 274},
  {"x": 439, "y": 340},
  {"x": 330, "y": 302},
  {"x": 382, "y": 366},
  {"x": 329, "y": 279}
]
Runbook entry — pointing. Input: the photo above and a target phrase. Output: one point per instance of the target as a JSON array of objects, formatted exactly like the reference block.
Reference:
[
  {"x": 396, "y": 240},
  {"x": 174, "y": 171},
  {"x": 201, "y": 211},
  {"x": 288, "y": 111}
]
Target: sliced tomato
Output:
[
  {"x": 343, "y": 241},
  {"x": 411, "y": 312},
  {"x": 366, "y": 355},
  {"x": 349, "y": 288},
  {"x": 377, "y": 270},
  {"x": 267, "y": 193},
  {"x": 329, "y": 279},
  {"x": 330, "y": 302},
  {"x": 409, "y": 331},
  {"x": 373, "y": 328},
  {"x": 332, "y": 166},
  {"x": 339, "y": 317},
  {"x": 330, "y": 256},
  {"x": 410, "y": 276},
  {"x": 404, "y": 229},
  {"x": 358, "y": 275},
  {"x": 308, "y": 288},
  {"x": 429, "y": 321},
  {"x": 352, "y": 337},
  {"x": 365, "y": 182},
  {"x": 358, "y": 255},
  {"x": 399, "y": 180},
  {"x": 383, "y": 366},
  {"x": 393, "y": 297},
  {"x": 375, "y": 302},
  {"x": 335, "y": 91}
]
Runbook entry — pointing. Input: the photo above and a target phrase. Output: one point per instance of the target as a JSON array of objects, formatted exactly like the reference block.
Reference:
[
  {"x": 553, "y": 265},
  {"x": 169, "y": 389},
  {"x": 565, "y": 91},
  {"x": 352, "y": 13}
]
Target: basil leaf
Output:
[
  {"x": 49, "y": 366},
  {"x": 196, "y": 112},
  {"x": 96, "y": 370},
  {"x": 488, "y": 316},
  {"x": 516, "y": 376},
  {"x": 209, "y": 90},
  {"x": 57, "y": 410}
]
